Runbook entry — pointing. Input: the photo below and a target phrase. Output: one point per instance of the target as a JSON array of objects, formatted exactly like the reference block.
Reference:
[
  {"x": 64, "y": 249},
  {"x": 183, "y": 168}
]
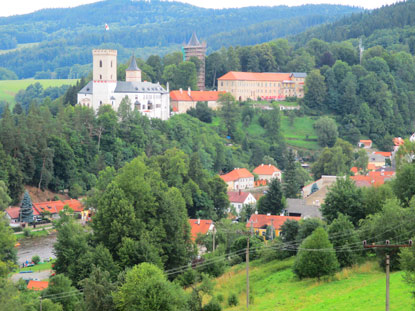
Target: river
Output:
[{"x": 42, "y": 246}]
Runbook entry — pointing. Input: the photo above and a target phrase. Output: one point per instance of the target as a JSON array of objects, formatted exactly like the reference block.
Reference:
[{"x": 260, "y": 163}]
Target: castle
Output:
[{"x": 150, "y": 99}]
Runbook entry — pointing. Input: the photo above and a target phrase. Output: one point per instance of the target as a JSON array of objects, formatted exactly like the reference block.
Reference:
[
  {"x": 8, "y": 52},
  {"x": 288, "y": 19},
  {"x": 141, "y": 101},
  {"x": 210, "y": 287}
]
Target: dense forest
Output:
[{"x": 55, "y": 40}]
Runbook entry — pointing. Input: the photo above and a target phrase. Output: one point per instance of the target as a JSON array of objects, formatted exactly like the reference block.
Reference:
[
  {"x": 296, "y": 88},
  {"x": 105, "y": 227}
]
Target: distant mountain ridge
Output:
[{"x": 66, "y": 36}]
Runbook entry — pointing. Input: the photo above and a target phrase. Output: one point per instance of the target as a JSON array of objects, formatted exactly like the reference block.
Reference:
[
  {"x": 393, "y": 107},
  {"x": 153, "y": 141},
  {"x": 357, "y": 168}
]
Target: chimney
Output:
[
  {"x": 198, "y": 221},
  {"x": 189, "y": 91},
  {"x": 181, "y": 91},
  {"x": 256, "y": 212},
  {"x": 240, "y": 191},
  {"x": 382, "y": 172},
  {"x": 268, "y": 214}
]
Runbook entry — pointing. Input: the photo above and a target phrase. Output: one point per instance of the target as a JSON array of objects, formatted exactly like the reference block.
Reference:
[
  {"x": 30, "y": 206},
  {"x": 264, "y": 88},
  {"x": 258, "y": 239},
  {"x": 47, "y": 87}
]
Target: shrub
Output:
[
  {"x": 36, "y": 259},
  {"x": 316, "y": 256},
  {"x": 27, "y": 232},
  {"x": 213, "y": 305},
  {"x": 220, "y": 298},
  {"x": 233, "y": 300}
]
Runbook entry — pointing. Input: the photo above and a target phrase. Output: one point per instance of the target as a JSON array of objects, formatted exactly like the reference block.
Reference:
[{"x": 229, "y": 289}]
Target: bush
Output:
[
  {"x": 233, "y": 300},
  {"x": 316, "y": 256},
  {"x": 213, "y": 305},
  {"x": 240, "y": 244},
  {"x": 220, "y": 298},
  {"x": 216, "y": 267},
  {"x": 36, "y": 259},
  {"x": 27, "y": 232}
]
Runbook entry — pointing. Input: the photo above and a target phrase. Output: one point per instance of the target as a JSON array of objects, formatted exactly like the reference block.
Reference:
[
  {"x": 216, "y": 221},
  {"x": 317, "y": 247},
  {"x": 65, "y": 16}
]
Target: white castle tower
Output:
[{"x": 104, "y": 76}]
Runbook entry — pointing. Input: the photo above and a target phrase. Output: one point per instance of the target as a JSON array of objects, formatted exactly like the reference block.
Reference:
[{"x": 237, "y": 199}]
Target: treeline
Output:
[{"x": 66, "y": 41}]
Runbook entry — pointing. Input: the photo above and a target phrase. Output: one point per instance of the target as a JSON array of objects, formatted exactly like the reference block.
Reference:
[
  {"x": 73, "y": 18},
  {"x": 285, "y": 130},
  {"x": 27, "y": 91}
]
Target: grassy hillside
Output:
[
  {"x": 301, "y": 133},
  {"x": 9, "y": 88},
  {"x": 275, "y": 287}
]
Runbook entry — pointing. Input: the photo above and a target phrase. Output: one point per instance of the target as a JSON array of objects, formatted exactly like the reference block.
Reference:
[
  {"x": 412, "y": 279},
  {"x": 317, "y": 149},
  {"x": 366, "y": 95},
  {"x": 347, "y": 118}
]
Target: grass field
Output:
[
  {"x": 301, "y": 134},
  {"x": 39, "y": 267},
  {"x": 21, "y": 235},
  {"x": 275, "y": 287},
  {"x": 9, "y": 88}
]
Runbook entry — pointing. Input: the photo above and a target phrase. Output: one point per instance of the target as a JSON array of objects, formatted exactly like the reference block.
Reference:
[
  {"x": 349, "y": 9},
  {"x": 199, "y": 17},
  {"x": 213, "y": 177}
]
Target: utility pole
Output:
[
  {"x": 40, "y": 303},
  {"x": 213, "y": 242},
  {"x": 387, "y": 245},
  {"x": 247, "y": 273}
]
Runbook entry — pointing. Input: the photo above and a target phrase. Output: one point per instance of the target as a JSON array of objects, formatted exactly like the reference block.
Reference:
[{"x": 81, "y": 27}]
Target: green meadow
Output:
[
  {"x": 9, "y": 88},
  {"x": 300, "y": 133},
  {"x": 274, "y": 286}
]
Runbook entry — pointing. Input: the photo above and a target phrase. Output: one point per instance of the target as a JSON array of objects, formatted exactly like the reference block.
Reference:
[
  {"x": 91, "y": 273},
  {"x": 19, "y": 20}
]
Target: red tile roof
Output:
[
  {"x": 266, "y": 169},
  {"x": 237, "y": 196},
  {"x": 13, "y": 212},
  {"x": 385, "y": 154},
  {"x": 260, "y": 220},
  {"x": 371, "y": 167},
  {"x": 236, "y": 174},
  {"x": 37, "y": 285},
  {"x": 384, "y": 173},
  {"x": 199, "y": 226},
  {"x": 354, "y": 169},
  {"x": 256, "y": 76},
  {"x": 370, "y": 180},
  {"x": 54, "y": 207},
  {"x": 199, "y": 96}
]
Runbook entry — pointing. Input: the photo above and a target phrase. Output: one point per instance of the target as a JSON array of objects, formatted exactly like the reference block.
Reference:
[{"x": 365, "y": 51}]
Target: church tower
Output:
[
  {"x": 133, "y": 73},
  {"x": 197, "y": 49},
  {"x": 104, "y": 76}
]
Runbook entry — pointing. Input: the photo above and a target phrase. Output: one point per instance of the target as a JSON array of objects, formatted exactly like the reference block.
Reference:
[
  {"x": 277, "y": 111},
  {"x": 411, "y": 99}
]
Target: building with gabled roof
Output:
[
  {"x": 260, "y": 222},
  {"x": 200, "y": 227},
  {"x": 239, "y": 178},
  {"x": 150, "y": 99},
  {"x": 181, "y": 100},
  {"x": 365, "y": 143},
  {"x": 267, "y": 172},
  {"x": 37, "y": 285},
  {"x": 264, "y": 85},
  {"x": 238, "y": 199}
]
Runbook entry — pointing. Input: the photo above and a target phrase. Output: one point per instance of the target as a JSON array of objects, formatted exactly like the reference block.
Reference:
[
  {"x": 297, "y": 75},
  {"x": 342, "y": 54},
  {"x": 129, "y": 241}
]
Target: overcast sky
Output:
[{"x": 14, "y": 7}]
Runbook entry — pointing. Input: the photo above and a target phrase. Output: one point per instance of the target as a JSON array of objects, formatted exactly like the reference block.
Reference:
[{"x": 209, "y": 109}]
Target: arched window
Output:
[{"x": 100, "y": 63}]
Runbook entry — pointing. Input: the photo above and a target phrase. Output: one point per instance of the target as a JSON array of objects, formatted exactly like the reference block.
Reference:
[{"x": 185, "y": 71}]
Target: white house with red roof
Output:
[
  {"x": 261, "y": 222},
  {"x": 200, "y": 227},
  {"x": 267, "y": 172},
  {"x": 181, "y": 101},
  {"x": 240, "y": 198},
  {"x": 239, "y": 178}
]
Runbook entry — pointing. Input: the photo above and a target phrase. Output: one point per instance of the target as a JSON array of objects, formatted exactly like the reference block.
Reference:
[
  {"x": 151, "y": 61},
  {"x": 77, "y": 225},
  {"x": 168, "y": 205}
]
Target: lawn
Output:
[
  {"x": 301, "y": 133},
  {"x": 9, "y": 88},
  {"x": 21, "y": 235},
  {"x": 39, "y": 267},
  {"x": 275, "y": 287}
]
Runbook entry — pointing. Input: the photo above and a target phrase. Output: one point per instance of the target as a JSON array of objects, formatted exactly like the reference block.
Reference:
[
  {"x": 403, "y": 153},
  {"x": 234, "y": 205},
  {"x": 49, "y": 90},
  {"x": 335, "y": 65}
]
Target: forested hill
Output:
[
  {"x": 397, "y": 17},
  {"x": 56, "y": 39}
]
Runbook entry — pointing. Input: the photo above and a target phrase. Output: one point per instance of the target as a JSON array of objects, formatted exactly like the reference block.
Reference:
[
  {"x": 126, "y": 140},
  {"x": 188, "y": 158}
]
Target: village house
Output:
[
  {"x": 314, "y": 193},
  {"x": 299, "y": 208},
  {"x": 240, "y": 198},
  {"x": 373, "y": 178},
  {"x": 267, "y": 172},
  {"x": 200, "y": 227},
  {"x": 150, "y": 99},
  {"x": 239, "y": 178},
  {"x": 259, "y": 223},
  {"x": 37, "y": 285},
  {"x": 181, "y": 101},
  {"x": 265, "y": 85},
  {"x": 377, "y": 159},
  {"x": 365, "y": 143},
  {"x": 41, "y": 209}
]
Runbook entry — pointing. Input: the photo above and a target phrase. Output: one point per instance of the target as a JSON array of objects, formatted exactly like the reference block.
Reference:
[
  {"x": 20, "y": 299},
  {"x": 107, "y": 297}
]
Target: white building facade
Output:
[{"x": 151, "y": 99}]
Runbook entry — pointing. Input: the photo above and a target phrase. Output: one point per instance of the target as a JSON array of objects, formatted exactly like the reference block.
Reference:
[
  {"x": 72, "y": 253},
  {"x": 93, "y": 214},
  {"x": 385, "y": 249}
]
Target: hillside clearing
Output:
[
  {"x": 275, "y": 287},
  {"x": 9, "y": 88}
]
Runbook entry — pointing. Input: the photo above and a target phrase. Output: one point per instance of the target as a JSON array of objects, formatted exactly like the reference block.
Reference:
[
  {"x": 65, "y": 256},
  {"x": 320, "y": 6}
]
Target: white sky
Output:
[{"x": 26, "y": 6}]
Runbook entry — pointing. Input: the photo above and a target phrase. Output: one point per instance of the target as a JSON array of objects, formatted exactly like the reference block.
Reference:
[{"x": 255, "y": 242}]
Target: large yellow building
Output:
[{"x": 266, "y": 85}]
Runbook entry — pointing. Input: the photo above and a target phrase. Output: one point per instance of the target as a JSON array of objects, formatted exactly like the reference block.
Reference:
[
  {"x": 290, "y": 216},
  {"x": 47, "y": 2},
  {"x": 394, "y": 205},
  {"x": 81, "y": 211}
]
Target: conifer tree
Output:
[
  {"x": 291, "y": 186},
  {"x": 26, "y": 209},
  {"x": 273, "y": 201},
  {"x": 316, "y": 256}
]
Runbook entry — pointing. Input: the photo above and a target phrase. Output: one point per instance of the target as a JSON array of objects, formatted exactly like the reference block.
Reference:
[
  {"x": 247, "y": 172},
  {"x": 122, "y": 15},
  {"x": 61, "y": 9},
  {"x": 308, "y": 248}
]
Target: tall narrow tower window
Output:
[
  {"x": 111, "y": 64},
  {"x": 100, "y": 63},
  {"x": 100, "y": 77}
]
